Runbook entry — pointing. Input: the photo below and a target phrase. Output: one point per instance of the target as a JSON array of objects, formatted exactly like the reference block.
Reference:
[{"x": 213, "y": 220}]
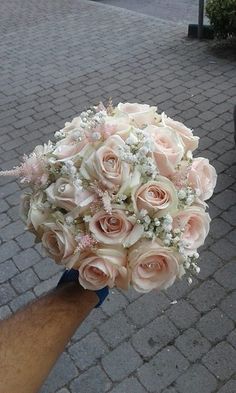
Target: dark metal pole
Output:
[{"x": 200, "y": 19}]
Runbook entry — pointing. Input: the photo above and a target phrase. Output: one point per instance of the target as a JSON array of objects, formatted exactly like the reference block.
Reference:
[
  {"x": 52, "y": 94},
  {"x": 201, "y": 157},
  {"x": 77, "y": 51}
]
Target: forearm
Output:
[{"x": 32, "y": 340}]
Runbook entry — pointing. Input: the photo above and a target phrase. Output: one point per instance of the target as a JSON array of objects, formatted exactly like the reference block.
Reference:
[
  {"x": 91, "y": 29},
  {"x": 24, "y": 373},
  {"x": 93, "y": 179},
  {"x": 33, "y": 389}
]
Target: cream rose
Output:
[
  {"x": 152, "y": 266},
  {"x": 106, "y": 166},
  {"x": 168, "y": 149},
  {"x": 69, "y": 149},
  {"x": 58, "y": 241},
  {"x": 65, "y": 194},
  {"x": 115, "y": 228},
  {"x": 194, "y": 223},
  {"x": 139, "y": 114},
  {"x": 33, "y": 210},
  {"x": 202, "y": 177},
  {"x": 158, "y": 197},
  {"x": 190, "y": 141},
  {"x": 106, "y": 266}
]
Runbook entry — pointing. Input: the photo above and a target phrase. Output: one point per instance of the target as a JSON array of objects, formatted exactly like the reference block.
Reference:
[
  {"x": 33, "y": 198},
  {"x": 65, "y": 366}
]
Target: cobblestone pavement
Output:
[
  {"x": 174, "y": 10},
  {"x": 57, "y": 57}
]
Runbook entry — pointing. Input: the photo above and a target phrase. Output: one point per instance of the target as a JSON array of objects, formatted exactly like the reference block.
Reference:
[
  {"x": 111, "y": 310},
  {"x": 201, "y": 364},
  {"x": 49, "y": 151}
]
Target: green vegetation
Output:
[{"x": 222, "y": 16}]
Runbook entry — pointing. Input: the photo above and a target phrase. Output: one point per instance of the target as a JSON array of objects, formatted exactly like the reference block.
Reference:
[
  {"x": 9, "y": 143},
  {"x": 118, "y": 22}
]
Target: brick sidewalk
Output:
[{"x": 57, "y": 57}]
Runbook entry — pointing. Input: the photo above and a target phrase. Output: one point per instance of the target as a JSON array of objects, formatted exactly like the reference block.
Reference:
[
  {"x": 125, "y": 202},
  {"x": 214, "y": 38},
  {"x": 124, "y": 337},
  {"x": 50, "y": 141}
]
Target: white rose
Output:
[
  {"x": 152, "y": 266},
  {"x": 194, "y": 223},
  {"x": 168, "y": 149},
  {"x": 139, "y": 114},
  {"x": 190, "y": 141}
]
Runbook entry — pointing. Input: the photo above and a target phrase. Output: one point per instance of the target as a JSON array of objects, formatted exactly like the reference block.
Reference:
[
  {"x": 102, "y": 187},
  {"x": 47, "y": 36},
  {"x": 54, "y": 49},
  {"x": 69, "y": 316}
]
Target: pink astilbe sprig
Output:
[
  {"x": 104, "y": 196},
  {"x": 85, "y": 242},
  {"x": 180, "y": 177},
  {"x": 33, "y": 168}
]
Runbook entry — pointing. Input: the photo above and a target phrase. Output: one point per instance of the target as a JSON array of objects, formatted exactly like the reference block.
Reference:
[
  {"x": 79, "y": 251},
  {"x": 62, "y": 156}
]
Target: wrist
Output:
[
  {"x": 73, "y": 292},
  {"x": 72, "y": 275}
]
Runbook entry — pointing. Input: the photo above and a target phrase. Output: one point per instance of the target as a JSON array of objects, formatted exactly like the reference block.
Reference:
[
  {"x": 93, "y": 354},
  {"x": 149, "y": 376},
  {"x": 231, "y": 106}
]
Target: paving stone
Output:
[
  {"x": 116, "y": 329},
  {"x": 223, "y": 181},
  {"x": 170, "y": 390},
  {"x": 116, "y": 365},
  {"x": 8, "y": 250},
  {"x": 147, "y": 307},
  {"x": 208, "y": 263},
  {"x": 26, "y": 259},
  {"x": 94, "y": 320},
  {"x": 25, "y": 280},
  {"x": 230, "y": 215},
  {"x": 131, "y": 294},
  {"x": 231, "y": 236},
  {"x": 192, "y": 344},
  {"x": 154, "y": 336},
  {"x": 179, "y": 289},
  {"x": 215, "y": 325},
  {"x": 206, "y": 296},
  {"x": 4, "y": 220},
  {"x": 219, "y": 228},
  {"x": 26, "y": 240},
  {"x": 63, "y": 390},
  {"x": 162, "y": 370},
  {"x": 93, "y": 381},
  {"x": 196, "y": 378},
  {"x": 228, "y": 305},
  {"x": 5, "y": 312},
  {"x": 47, "y": 285},
  {"x": 224, "y": 249},
  {"x": 7, "y": 293},
  {"x": 229, "y": 387},
  {"x": 226, "y": 276},
  {"x": 182, "y": 314},
  {"x": 114, "y": 302},
  {"x": 8, "y": 270},
  {"x": 221, "y": 361},
  {"x": 62, "y": 373},
  {"x": 88, "y": 350},
  {"x": 22, "y": 300},
  {"x": 46, "y": 268},
  {"x": 225, "y": 199},
  {"x": 130, "y": 385},
  {"x": 232, "y": 338}
]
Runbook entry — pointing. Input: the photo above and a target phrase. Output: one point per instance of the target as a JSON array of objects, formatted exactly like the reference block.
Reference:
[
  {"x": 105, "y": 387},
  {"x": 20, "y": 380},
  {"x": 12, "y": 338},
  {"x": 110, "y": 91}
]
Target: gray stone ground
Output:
[
  {"x": 174, "y": 10},
  {"x": 57, "y": 57}
]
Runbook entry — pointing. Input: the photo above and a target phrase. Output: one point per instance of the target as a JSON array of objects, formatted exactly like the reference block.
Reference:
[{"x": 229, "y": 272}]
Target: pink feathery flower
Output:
[
  {"x": 32, "y": 170},
  {"x": 85, "y": 242}
]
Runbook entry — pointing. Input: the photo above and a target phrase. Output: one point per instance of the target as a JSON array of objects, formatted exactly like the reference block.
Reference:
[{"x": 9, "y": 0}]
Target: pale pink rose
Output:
[
  {"x": 106, "y": 166},
  {"x": 105, "y": 266},
  {"x": 189, "y": 140},
  {"x": 117, "y": 124},
  {"x": 69, "y": 149},
  {"x": 65, "y": 194},
  {"x": 114, "y": 228},
  {"x": 139, "y": 114},
  {"x": 202, "y": 177},
  {"x": 152, "y": 266},
  {"x": 33, "y": 211},
  {"x": 72, "y": 126},
  {"x": 58, "y": 241},
  {"x": 194, "y": 223},
  {"x": 168, "y": 149},
  {"x": 158, "y": 197}
]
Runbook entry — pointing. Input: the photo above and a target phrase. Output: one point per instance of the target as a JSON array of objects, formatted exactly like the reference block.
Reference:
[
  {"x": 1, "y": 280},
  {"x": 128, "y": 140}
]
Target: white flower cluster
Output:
[{"x": 120, "y": 197}]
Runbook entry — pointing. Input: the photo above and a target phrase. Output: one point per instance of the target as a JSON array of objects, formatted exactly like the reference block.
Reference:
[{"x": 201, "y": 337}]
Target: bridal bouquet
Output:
[{"x": 120, "y": 197}]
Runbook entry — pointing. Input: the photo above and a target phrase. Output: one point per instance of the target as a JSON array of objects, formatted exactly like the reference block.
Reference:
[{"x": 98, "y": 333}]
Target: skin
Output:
[{"x": 32, "y": 339}]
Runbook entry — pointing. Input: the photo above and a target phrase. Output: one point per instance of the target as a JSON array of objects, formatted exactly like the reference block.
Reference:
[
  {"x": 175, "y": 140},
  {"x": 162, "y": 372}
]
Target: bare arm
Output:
[{"x": 33, "y": 338}]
